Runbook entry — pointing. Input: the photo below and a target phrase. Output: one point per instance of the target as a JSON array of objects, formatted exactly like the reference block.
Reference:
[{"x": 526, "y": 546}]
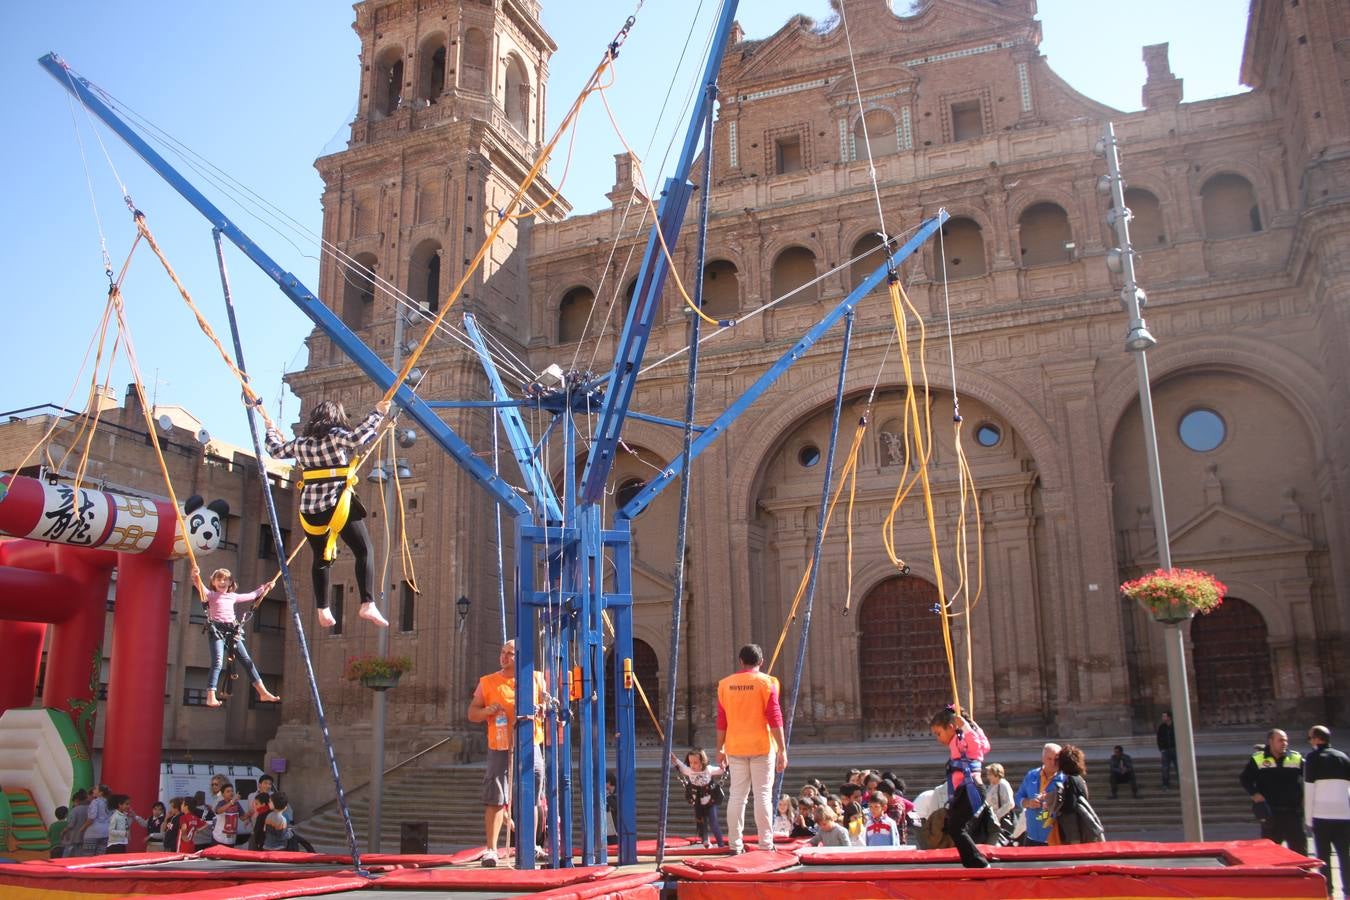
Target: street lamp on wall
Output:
[{"x": 461, "y": 611}]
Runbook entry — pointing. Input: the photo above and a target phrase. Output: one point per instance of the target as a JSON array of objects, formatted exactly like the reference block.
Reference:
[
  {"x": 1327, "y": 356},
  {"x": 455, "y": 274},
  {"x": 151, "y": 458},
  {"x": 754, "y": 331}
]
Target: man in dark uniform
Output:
[{"x": 1274, "y": 779}]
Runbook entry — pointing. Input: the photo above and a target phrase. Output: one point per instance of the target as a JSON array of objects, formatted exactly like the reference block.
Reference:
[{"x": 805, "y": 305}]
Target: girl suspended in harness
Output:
[
  {"x": 226, "y": 631},
  {"x": 329, "y": 506},
  {"x": 967, "y": 745}
]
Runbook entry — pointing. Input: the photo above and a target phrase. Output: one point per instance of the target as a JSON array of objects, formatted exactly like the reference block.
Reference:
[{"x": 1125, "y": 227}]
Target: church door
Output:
[
  {"x": 901, "y": 661},
  {"x": 1232, "y": 666}
]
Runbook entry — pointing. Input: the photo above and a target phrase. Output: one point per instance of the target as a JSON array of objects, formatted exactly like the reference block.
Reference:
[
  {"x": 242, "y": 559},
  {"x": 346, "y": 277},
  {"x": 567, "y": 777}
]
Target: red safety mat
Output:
[
  {"x": 637, "y": 886},
  {"x": 492, "y": 879},
  {"x": 308, "y": 887},
  {"x": 409, "y": 860},
  {"x": 1234, "y": 853},
  {"x": 753, "y": 862}
]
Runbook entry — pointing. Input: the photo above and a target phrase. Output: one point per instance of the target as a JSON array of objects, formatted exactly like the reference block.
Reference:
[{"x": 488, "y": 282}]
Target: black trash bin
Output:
[{"x": 412, "y": 837}]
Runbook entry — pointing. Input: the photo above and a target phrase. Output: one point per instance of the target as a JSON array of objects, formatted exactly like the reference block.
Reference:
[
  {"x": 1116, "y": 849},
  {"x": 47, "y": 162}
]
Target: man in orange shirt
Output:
[
  {"x": 494, "y": 703},
  {"x": 750, "y": 742}
]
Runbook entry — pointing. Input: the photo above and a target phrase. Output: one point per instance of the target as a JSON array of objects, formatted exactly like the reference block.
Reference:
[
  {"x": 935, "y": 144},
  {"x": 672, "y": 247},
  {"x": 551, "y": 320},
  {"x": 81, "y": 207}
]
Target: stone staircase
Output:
[{"x": 445, "y": 796}]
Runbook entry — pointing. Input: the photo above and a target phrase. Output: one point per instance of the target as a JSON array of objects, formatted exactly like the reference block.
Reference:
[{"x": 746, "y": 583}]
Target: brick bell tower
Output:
[{"x": 450, "y": 118}]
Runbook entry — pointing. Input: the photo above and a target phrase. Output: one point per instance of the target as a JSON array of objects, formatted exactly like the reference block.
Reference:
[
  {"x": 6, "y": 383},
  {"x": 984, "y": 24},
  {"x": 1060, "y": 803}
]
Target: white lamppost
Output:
[{"x": 1139, "y": 341}]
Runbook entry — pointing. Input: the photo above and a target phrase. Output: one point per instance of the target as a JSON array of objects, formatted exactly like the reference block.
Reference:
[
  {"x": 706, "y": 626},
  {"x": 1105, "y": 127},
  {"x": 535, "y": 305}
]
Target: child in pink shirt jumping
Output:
[
  {"x": 222, "y": 625},
  {"x": 967, "y": 745}
]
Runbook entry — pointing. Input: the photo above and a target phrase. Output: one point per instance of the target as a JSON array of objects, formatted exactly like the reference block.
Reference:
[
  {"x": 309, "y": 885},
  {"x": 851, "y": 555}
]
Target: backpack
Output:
[{"x": 1078, "y": 821}]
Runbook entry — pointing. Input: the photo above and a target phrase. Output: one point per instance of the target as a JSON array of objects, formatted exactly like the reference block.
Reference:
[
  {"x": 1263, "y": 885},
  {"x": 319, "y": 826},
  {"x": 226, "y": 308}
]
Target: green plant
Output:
[
  {"x": 360, "y": 667},
  {"x": 1165, "y": 591}
]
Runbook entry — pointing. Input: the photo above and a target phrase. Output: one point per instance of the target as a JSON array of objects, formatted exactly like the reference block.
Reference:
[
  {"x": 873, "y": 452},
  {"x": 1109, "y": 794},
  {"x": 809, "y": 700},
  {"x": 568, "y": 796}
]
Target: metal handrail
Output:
[{"x": 329, "y": 804}]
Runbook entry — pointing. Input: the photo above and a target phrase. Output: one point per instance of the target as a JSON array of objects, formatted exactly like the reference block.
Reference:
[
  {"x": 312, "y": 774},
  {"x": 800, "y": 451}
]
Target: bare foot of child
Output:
[
  {"x": 326, "y": 618},
  {"x": 371, "y": 612},
  {"x": 211, "y": 699},
  {"x": 266, "y": 696}
]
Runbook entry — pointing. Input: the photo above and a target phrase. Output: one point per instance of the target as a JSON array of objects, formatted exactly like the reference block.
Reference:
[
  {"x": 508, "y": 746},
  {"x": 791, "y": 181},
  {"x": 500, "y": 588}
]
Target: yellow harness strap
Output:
[{"x": 341, "y": 511}]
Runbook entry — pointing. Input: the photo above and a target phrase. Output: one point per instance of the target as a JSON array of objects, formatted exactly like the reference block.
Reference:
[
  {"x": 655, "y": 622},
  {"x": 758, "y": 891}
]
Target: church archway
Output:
[
  {"x": 1233, "y": 679},
  {"x": 902, "y": 668}
]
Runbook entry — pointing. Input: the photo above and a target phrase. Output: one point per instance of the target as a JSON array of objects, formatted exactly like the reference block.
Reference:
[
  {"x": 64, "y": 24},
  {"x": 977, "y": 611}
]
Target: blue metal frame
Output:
[
  {"x": 569, "y": 537},
  {"x": 536, "y": 479}
]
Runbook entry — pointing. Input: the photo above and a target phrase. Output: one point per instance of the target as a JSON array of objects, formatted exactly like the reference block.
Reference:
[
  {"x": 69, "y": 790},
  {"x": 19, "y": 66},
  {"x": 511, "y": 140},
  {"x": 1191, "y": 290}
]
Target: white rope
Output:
[
  {"x": 760, "y": 310},
  {"x": 862, "y": 120}
]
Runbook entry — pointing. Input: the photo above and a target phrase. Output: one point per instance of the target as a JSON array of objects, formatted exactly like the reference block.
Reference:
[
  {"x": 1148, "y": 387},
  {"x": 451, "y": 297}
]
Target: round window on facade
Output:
[
  {"x": 808, "y": 456},
  {"x": 1202, "y": 430},
  {"x": 628, "y": 490},
  {"x": 988, "y": 435}
]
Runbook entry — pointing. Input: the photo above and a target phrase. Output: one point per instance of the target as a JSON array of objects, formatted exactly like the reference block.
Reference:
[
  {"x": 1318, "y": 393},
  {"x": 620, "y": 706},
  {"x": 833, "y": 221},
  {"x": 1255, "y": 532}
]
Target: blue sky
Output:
[{"x": 261, "y": 90}]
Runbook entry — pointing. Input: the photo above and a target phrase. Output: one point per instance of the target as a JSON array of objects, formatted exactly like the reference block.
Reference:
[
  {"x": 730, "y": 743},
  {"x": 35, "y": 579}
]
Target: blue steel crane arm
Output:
[
  {"x": 514, "y": 426},
  {"x": 301, "y": 296},
  {"x": 719, "y": 425},
  {"x": 651, "y": 278}
]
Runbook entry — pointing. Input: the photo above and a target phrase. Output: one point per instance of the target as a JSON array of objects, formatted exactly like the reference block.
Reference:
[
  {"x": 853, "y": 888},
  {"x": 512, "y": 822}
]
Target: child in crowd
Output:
[
  {"x": 880, "y": 829},
  {"x": 189, "y": 824},
  {"x": 55, "y": 830},
  {"x": 329, "y": 506},
  {"x": 154, "y": 823},
  {"x": 228, "y": 812},
  {"x": 276, "y": 827},
  {"x": 223, "y": 627},
  {"x": 170, "y": 836},
  {"x": 702, "y": 790},
  {"x": 611, "y": 809},
  {"x": 804, "y": 822},
  {"x": 897, "y": 807},
  {"x": 94, "y": 841},
  {"x": 829, "y": 833},
  {"x": 852, "y": 811},
  {"x": 783, "y": 815},
  {"x": 79, "y": 814},
  {"x": 119, "y": 823},
  {"x": 259, "y": 807},
  {"x": 967, "y": 747}
]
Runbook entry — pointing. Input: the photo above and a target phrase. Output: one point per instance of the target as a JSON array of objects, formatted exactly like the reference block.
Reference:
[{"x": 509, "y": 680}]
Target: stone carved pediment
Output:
[
  {"x": 1221, "y": 532},
  {"x": 872, "y": 80}
]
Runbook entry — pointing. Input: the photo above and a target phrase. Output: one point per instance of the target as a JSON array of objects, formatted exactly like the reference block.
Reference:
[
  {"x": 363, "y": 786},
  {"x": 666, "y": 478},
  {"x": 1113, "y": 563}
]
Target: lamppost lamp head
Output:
[{"x": 1139, "y": 339}]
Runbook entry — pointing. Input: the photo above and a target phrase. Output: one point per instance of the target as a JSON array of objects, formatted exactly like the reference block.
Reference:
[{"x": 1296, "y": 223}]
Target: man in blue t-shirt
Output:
[{"x": 1034, "y": 792}]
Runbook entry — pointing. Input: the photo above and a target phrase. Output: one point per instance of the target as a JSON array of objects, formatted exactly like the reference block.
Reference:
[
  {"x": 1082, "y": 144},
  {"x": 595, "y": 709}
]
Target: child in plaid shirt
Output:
[{"x": 329, "y": 507}]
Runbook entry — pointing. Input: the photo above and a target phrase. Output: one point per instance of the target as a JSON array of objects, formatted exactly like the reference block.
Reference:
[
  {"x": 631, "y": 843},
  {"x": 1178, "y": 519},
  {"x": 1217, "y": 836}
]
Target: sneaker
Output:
[
  {"x": 737, "y": 849},
  {"x": 707, "y": 845},
  {"x": 769, "y": 848},
  {"x": 488, "y": 860}
]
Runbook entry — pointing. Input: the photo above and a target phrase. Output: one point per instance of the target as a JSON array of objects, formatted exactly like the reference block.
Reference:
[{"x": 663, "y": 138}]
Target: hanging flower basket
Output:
[
  {"x": 379, "y": 673},
  {"x": 1174, "y": 595}
]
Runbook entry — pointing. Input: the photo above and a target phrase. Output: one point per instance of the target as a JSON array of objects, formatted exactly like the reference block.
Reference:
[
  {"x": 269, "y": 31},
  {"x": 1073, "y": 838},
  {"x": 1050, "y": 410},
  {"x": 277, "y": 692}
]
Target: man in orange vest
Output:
[
  {"x": 750, "y": 742},
  {"x": 494, "y": 703}
]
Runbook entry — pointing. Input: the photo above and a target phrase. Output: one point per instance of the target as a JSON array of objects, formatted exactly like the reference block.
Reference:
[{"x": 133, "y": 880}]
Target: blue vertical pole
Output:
[
  {"x": 525, "y": 789},
  {"x": 593, "y": 654},
  {"x": 626, "y": 750},
  {"x": 282, "y": 551}
]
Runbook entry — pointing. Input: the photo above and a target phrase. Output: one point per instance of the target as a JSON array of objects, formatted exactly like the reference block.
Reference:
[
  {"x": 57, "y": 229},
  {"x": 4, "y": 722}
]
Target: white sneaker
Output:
[
  {"x": 371, "y": 613},
  {"x": 326, "y": 617},
  {"x": 707, "y": 845},
  {"x": 488, "y": 860}
]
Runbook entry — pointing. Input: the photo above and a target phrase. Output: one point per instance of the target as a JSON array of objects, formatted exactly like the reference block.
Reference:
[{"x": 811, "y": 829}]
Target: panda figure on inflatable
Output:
[{"x": 205, "y": 523}]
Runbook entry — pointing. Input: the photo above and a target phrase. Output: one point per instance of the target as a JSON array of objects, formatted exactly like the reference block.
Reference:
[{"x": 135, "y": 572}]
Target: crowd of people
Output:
[{"x": 99, "y": 821}]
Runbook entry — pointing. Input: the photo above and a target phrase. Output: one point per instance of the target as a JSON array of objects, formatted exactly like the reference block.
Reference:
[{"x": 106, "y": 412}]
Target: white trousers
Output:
[{"x": 751, "y": 776}]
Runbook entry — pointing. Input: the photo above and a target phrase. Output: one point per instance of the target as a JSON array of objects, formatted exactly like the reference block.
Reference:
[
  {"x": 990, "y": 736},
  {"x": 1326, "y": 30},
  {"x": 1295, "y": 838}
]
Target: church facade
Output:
[{"x": 1241, "y": 222}]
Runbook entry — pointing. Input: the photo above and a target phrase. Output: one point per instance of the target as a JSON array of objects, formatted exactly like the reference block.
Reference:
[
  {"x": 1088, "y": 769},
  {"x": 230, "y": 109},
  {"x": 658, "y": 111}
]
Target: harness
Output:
[
  {"x": 967, "y": 767},
  {"x": 228, "y": 632},
  {"x": 341, "y": 511}
]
